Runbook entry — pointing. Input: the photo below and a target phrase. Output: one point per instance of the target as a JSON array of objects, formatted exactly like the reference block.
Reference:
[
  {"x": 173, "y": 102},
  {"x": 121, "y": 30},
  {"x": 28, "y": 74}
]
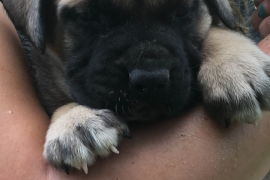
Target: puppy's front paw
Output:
[
  {"x": 78, "y": 135},
  {"x": 235, "y": 80}
]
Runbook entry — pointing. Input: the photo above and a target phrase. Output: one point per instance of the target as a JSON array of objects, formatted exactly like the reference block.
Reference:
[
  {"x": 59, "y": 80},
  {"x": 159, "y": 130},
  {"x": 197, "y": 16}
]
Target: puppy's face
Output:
[{"x": 137, "y": 58}]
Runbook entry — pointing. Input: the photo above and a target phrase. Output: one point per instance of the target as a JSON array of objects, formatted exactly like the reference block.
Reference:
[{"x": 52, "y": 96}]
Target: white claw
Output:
[
  {"x": 85, "y": 168},
  {"x": 113, "y": 149}
]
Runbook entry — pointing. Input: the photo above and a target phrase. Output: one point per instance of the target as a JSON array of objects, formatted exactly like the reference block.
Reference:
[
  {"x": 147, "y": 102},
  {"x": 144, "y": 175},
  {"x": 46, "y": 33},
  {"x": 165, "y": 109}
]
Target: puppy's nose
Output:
[{"x": 146, "y": 82}]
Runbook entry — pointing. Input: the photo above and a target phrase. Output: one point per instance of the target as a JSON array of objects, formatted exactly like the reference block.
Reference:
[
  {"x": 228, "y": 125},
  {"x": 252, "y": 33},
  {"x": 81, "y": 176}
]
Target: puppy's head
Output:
[{"x": 136, "y": 57}]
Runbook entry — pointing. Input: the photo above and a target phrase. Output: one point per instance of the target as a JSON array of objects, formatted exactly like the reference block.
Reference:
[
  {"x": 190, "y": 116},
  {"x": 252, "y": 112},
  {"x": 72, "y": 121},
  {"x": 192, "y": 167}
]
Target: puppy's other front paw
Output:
[
  {"x": 235, "y": 80},
  {"x": 80, "y": 134}
]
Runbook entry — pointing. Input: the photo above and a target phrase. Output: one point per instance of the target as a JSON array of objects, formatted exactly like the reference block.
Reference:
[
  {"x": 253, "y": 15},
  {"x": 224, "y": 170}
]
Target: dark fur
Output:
[
  {"x": 102, "y": 57},
  {"x": 140, "y": 61},
  {"x": 102, "y": 50}
]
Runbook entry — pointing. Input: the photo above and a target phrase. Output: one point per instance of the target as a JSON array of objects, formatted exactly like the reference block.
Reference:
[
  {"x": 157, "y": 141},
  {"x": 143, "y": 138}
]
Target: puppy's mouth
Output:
[{"x": 146, "y": 113}]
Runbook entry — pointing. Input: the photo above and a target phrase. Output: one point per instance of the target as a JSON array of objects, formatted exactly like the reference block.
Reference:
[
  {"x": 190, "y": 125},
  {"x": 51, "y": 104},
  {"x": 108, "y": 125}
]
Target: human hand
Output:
[{"x": 260, "y": 19}]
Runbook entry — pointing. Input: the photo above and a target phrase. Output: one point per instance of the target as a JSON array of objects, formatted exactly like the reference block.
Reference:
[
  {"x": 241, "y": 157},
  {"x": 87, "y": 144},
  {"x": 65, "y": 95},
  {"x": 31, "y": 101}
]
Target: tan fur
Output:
[
  {"x": 205, "y": 21},
  {"x": 120, "y": 3},
  {"x": 69, "y": 3},
  {"x": 64, "y": 133},
  {"x": 234, "y": 73},
  {"x": 62, "y": 111}
]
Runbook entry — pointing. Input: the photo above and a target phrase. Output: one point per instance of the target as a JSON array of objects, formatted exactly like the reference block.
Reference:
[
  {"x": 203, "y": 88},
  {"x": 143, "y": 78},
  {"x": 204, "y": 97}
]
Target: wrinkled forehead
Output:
[{"x": 124, "y": 4}]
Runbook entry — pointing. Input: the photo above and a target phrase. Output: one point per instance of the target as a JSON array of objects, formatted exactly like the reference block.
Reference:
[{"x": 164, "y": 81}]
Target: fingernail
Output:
[{"x": 262, "y": 13}]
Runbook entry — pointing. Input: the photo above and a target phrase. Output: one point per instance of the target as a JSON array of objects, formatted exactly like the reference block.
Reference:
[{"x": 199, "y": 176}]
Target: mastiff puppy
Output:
[{"x": 99, "y": 64}]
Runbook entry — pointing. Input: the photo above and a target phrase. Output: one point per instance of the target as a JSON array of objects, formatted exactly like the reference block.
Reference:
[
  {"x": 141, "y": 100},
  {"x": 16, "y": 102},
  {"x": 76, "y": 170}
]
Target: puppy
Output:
[{"x": 101, "y": 63}]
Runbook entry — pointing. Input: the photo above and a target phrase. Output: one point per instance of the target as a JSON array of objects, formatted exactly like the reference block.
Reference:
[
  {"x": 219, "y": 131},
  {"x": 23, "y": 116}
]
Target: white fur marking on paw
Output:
[
  {"x": 78, "y": 134},
  {"x": 234, "y": 77}
]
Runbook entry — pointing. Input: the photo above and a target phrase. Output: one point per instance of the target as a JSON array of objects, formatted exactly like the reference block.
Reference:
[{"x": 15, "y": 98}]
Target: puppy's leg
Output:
[
  {"x": 77, "y": 135},
  {"x": 234, "y": 77}
]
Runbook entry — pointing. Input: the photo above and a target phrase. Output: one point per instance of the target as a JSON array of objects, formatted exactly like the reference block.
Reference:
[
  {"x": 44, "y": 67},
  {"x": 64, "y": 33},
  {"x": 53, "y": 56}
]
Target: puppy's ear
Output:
[
  {"x": 28, "y": 16},
  {"x": 224, "y": 11}
]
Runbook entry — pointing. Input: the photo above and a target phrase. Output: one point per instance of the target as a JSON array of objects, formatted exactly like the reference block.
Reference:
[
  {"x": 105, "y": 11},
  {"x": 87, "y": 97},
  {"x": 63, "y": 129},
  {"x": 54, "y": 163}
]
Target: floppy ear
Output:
[
  {"x": 28, "y": 16},
  {"x": 224, "y": 11}
]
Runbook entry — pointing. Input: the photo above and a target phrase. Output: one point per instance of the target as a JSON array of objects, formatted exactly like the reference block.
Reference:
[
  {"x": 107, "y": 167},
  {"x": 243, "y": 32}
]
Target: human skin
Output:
[
  {"x": 261, "y": 21},
  {"x": 193, "y": 146}
]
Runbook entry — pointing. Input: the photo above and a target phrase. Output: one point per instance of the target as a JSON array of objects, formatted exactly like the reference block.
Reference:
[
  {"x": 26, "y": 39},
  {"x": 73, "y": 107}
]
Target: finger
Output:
[
  {"x": 256, "y": 20},
  {"x": 260, "y": 13},
  {"x": 264, "y": 27},
  {"x": 258, "y": 2},
  {"x": 264, "y": 9}
]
